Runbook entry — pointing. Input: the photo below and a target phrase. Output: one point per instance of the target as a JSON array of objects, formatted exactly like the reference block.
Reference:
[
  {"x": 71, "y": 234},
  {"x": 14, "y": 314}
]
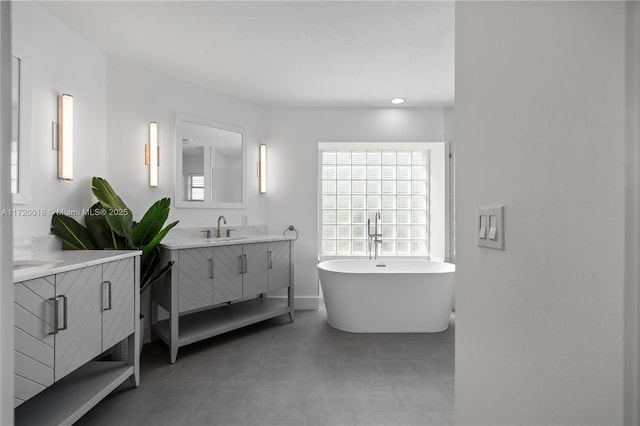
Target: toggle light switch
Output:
[
  {"x": 482, "y": 233},
  {"x": 490, "y": 231},
  {"x": 493, "y": 227}
]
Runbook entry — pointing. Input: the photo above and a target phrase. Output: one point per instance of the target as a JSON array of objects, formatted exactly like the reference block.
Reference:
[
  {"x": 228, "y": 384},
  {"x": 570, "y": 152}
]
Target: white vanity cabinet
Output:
[
  {"x": 227, "y": 273},
  {"x": 255, "y": 258},
  {"x": 118, "y": 301},
  {"x": 215, "y": 287},
  {"x": 34, "y": 339},
  {"x": 62, "y": 322},
  {"x": 195, "y": 272},
  {"x": 278, "y": 267},
  {"x": 78, "y": 326},
  {"x": 213, "y": 275}
]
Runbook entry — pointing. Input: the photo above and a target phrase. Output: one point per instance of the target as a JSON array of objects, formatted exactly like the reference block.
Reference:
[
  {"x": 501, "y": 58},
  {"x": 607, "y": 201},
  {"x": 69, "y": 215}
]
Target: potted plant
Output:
[{"x": 110, "y": 226}]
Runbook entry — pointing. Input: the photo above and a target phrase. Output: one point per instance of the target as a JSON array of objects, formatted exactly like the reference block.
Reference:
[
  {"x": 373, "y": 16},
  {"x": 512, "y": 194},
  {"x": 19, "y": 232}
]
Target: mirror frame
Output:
[
  {"x": 179, "y": 201},
  {"x": 23, "y": 196}
]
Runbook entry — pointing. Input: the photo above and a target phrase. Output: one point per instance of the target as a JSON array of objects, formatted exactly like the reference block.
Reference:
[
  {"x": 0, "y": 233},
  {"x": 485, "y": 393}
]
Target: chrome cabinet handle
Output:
[
  {"x": 244, "y": 256},
  {"x": 56, "y": 314},
  {"x": 270, "y": 259},
  {"x": 54, "y": 302},
  {"x": 108, "y": 283},
  {"x": 64, "y": 312},
  {"x": 210, "y": 268},
  {"x": 241, "y": 264}
]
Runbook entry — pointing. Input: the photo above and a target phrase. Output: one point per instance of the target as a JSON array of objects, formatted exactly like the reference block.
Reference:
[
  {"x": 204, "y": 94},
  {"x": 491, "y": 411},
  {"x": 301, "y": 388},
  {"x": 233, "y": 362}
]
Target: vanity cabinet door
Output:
[
  {"x": 79, "y": 306},
  {"x": 279, "y": 264},
  {"x": 34, "y": 341},
  {"x": 227, "y": 273},
  {"x": 118, "y": 287},
  {"x": 256, "y": 259},
  {"x": 195, "y": 275}
]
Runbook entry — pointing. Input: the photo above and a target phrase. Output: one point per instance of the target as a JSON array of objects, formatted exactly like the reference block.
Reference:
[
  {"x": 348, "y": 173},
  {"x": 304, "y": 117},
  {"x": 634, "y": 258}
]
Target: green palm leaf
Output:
[
  {"x": 148, "y": 249},
  {"x": 117, "y": 214},
  {"x": 151, "y": 223},
  {"x": 100, "y": 231},
  {"x": 73, "y": 235}
]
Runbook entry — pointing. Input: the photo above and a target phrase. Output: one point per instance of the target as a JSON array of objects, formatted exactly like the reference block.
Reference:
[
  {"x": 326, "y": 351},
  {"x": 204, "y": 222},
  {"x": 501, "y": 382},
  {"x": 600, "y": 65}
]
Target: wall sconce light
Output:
[
  {"x": 262, "y": 169},
  {"x": 65, "y": 137},
  {"x": 152, "y": 154}
]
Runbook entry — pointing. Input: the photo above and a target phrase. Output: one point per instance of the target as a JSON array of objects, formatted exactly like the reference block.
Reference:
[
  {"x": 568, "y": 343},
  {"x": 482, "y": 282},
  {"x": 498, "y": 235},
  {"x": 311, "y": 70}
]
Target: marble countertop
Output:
[
  {"x": 184, "y": 242},
  {"x": 36, "y": 265}
]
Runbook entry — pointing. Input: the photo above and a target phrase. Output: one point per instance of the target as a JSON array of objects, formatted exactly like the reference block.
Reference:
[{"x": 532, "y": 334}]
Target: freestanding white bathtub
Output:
[{"x": 362, "y": 296}]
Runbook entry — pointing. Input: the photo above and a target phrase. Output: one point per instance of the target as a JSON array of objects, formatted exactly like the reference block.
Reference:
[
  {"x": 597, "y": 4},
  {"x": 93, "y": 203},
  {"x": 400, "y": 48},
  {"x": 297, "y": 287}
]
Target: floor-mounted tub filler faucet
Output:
[
  {"x": 376, "y": 237},
  {"x": 221, "y": 217}
]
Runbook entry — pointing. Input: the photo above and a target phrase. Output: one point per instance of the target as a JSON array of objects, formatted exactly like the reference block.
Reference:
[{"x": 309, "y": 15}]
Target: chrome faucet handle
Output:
[
  {"x": 229, "y": 231},
  {"x": 206, "y": 233}
]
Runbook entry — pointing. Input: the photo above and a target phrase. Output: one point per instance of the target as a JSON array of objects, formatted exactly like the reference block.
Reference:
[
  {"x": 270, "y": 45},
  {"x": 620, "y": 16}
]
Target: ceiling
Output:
[{"x": 283, "y": 53}]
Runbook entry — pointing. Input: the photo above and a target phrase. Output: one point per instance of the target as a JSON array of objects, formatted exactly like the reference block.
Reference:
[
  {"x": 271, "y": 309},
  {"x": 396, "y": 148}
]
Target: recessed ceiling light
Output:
[{"x": 398, "y": 101}]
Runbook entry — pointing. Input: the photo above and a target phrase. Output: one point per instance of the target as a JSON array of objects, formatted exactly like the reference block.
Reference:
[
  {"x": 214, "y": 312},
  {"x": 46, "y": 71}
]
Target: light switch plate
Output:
[{"x": 494, "y": 237}]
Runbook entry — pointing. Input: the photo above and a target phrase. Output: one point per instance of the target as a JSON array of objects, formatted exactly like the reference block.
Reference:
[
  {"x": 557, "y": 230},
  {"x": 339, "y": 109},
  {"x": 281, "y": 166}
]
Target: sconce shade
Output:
[
  {"x": 65, "y": 137},
  {"x": 262, "y": 169},
  {"x": 151, "y": 154}
]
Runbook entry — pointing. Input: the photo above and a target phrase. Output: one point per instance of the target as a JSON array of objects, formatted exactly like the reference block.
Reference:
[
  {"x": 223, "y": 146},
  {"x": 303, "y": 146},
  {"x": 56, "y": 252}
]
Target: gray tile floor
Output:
[{"x": 300, "y": 373}]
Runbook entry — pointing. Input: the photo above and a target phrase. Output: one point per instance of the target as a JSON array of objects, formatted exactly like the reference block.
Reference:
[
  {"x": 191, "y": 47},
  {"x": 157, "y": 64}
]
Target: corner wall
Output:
[{"x": 540, "y": 129}]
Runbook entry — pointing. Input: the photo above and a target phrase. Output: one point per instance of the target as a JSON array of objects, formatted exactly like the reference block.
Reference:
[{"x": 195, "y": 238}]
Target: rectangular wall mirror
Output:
[{"x": 210, "y": 164}]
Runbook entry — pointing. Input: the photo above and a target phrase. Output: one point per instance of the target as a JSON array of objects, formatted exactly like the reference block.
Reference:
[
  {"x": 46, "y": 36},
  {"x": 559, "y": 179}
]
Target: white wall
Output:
[
  {"x": 293, "y": 136},
  {"x": 540, "y": 129},
  {"x": 137, "y": 96},
  {"x": 632, "y": 220},
  {"x": 61, "y": 62},
  {"x": 6, "y": 291}
]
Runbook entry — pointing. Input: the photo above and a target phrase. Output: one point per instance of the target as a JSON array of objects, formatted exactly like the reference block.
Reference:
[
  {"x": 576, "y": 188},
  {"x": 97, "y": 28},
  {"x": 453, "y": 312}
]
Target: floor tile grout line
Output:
[{"x": 195, "y": 407}]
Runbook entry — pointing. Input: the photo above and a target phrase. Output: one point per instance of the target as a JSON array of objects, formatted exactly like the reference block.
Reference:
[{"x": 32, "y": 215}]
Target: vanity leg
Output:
[
  {"x": 174, "y": 337},
  {"x": 133, "y": 358},
  {"x": 135, "y": 380},
  {"x": 291, "y": 308},
  {"x": 174, "y": 353},
  {"x": 174, "y": 316}
]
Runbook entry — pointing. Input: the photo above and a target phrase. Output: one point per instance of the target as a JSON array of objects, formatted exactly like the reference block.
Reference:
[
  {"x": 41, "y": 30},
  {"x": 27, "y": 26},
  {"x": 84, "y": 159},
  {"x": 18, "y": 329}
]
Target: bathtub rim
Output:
[{"x": 450, "y": 266}]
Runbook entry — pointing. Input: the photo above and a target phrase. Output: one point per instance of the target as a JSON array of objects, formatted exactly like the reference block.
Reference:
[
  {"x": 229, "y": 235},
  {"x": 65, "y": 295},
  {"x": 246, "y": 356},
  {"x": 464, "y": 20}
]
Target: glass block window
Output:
[
  {"x": 196, "y": 187},
  {"x": 355, "y": 184}
]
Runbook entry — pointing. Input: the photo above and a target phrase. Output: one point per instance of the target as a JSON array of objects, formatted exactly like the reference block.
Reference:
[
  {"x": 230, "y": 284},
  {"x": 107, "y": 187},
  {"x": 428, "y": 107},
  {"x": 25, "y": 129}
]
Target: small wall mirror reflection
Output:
[
  {"x": 20, "y": 129},
  {"x": 210, "y": 159},
  {"x": 15, "y": 122}
]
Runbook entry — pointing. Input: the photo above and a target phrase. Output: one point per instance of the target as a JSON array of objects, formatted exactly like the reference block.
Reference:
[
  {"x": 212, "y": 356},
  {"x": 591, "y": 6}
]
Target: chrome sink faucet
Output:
[
  {"x": 221, "y": 217},
  {"x": 375, "y": 238}
]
